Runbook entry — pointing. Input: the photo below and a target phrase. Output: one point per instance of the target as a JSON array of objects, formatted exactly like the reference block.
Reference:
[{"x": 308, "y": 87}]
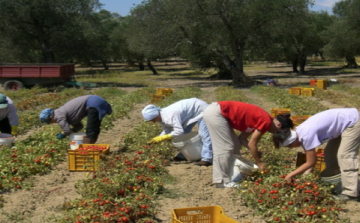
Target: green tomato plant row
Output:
[
  {"x": 127, "y": 183},
  {"x": 305, "y": 200}
]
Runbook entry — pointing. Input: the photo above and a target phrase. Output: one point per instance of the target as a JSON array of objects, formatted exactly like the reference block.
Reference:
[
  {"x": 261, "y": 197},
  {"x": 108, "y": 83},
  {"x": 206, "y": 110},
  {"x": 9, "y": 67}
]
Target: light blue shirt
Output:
[
  {"x": 176, "y": 117},
  {"x": 325, "y": 126}
]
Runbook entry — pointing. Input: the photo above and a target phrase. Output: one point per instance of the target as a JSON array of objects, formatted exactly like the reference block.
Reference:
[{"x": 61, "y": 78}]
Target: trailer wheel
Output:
[{"x": 13, "y": 85}]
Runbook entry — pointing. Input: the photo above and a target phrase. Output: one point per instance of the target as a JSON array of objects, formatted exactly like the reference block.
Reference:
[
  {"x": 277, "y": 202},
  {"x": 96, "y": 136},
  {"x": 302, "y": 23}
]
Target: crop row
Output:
[{"x": 128, "y": 181}]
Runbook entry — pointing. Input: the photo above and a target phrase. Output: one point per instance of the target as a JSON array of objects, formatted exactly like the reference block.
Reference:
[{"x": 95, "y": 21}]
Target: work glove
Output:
[
  {"x": 158, "y": 139},
  {"x": 14, "y": 130},
  {"x": 60, "y": 135}
]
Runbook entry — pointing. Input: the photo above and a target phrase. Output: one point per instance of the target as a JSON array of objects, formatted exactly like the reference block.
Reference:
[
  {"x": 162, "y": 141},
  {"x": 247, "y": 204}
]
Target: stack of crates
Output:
[
  {"x": 295, "y": 90},
  {"x": 205, "y": 214},
  {"x": 321, "y": 84},
  {"x": 320, "y": 163},
  {"x": 298, "y": 119},
  {"x": 279, "y": 111},
  {"x": 307, "y": 92}
]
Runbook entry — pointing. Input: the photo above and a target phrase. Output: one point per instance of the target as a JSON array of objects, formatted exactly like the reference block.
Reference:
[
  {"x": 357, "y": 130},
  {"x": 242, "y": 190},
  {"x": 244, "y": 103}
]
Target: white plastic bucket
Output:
[
  {"x": 190, "y": 145},
  {"x": 246, "y": 166},
  {"x": 76, "y": 139},
  {"x": 6, "y": 139},
  {"x": 236, "y": 174}
]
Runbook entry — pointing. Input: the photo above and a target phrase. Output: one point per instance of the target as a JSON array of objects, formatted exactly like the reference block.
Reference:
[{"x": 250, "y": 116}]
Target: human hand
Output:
[
  {"x": 14, "y": 130},
  {"x": 60, "y": 136},
  {"x": 261, "y": 166},
  {"x": 158, "y": 139},
  {"x": 288, "y": 178}
]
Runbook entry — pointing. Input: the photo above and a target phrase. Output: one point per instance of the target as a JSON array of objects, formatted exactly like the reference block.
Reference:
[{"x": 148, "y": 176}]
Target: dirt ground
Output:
[{"x": 193, "y": 187}]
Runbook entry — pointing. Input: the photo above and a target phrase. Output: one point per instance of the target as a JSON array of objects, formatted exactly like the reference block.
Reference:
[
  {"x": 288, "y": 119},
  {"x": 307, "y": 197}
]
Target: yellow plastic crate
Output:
[
  {"x": 86, "y": 160},
  {"x": 279, "y": 111},
  {"x": 298, "y": 119},
  {"x": 322, "y": 84},
  {"x": 157, "y": 98},
  {"x": 295, "y": 90},
  {"x": 205, "y": 214},
  {"x": 164, "y": 91},
  {"x": 320, "y": 163},
  {"x": 307, "y": 92}
]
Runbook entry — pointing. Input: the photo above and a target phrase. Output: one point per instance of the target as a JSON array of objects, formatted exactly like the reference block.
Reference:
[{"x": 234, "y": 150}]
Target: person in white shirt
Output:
[
  {"x": 340, "y": 128},
  {"x": 9, "y": 119},
  {"x": 180, "y": 118}
]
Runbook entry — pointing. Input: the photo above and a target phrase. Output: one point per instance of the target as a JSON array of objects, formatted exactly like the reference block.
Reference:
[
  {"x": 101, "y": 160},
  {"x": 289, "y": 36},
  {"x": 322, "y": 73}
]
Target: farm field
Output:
[{"x": 143, "y": 177}]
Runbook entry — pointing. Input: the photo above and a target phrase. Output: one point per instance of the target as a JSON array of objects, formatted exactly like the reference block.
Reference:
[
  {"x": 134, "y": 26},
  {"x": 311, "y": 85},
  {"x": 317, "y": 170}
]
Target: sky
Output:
[{"x": 123, "y": 7}]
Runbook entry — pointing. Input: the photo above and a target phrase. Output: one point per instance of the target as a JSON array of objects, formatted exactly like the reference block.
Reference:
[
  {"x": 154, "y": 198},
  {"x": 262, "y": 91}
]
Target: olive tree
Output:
[
  {"x": 343, "y": 36},
  {"x": 224, "y": 29},
  {"x": 45, "y": 29}
]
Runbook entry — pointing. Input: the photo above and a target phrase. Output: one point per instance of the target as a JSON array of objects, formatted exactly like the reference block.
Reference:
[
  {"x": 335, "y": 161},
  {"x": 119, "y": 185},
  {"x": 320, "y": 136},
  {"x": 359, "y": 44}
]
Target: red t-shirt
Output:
[{"x": 245, "y": 117}]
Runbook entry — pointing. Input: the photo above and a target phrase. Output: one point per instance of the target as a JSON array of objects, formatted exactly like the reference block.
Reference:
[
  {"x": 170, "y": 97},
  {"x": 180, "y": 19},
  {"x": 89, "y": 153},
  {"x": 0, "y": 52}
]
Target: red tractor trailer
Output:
[{"x": 15, "y": 76}]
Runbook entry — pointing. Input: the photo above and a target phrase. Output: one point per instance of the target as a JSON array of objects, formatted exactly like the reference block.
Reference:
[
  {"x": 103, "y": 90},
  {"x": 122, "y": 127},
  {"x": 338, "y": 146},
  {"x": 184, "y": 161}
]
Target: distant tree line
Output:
[{"x": 221, "y": 34}]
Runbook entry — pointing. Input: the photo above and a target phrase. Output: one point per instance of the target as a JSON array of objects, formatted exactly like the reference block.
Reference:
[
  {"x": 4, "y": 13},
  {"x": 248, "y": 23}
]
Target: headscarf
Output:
[
  {"x": 150, "y": 112},
  {"x": 45, "y": 115},
  {"x": 290, "y": 139}
]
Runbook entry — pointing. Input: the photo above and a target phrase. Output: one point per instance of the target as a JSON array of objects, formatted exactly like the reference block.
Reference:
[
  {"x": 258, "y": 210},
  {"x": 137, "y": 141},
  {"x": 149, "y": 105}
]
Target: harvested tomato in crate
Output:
[
  {"x": 298, "y": 119},
  {"x": 320, "y": 163},
  {"x": 87, "y": 156},
  {"x": 279, "y": 111}
]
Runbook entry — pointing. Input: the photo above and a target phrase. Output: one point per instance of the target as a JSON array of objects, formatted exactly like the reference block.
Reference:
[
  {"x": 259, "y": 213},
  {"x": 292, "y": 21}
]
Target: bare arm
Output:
[
  {"x": 310, "y": 162},
  {"x": 252, "y": 146}
]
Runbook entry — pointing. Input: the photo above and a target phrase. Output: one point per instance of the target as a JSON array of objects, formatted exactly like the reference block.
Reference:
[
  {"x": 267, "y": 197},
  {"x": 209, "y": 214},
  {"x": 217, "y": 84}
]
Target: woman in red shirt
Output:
[{"x": 222, "y": 118}]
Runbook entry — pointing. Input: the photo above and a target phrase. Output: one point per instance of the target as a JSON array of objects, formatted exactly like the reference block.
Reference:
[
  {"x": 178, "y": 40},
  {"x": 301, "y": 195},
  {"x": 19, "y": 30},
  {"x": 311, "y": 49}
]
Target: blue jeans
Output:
[{"x": 206, "y": 151}]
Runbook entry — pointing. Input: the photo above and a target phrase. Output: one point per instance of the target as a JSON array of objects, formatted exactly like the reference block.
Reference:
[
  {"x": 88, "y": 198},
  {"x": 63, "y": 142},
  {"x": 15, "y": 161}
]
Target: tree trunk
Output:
[
  {"x": 294, "y": 65},
  {"x": 302, "y": 64},
  {"x": 48, "y": 56},
  {"x": 141, "y": 65},
  {"x": 351, "y": 62},
  {"x": 152, "y": 68},
  {"x": 106, "y": 67}
]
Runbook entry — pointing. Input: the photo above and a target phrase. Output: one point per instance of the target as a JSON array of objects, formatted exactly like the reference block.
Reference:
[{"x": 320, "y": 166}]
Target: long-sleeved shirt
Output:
[
  {"x": 177, "y": 116},
  {"x": 10, "y": 112},
  {"x": 72, "y": 112}
]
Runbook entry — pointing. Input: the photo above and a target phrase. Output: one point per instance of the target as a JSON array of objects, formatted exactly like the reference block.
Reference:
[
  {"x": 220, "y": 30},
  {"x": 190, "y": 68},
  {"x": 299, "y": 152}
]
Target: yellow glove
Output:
[
  {"x": 158, "y": 139},
  {"x": 14, "y": 130}
]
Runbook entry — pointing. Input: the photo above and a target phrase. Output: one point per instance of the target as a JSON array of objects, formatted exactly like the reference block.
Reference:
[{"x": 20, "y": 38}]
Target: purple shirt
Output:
[{"x": 325, "y": 125}]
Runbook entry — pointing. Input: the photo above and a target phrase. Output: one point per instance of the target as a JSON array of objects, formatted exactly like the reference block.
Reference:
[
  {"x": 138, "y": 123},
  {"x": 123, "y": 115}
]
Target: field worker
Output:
[
  {"x": 221, "y": 119},
  {"x": 340, "y": 128},
  {"x": 180, "y": 118},
  {"x": 71, "y": 113},
  {"x": 9, "y": 119}
]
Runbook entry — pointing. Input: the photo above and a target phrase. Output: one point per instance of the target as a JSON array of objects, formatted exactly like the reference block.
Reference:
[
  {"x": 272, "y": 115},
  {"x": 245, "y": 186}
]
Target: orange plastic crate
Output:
[
  {"x": 322, "y": 84},
  {"x": 205, "y": 214},
  {"x": 157, "y": 98},
  {"x": 295, "y": 90},
  {"x": 313, "y": 82},
  {"x": 86, "y": 160},
  {"x": 279, "y": 111},
  {"x": 307, "y": 92}
]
